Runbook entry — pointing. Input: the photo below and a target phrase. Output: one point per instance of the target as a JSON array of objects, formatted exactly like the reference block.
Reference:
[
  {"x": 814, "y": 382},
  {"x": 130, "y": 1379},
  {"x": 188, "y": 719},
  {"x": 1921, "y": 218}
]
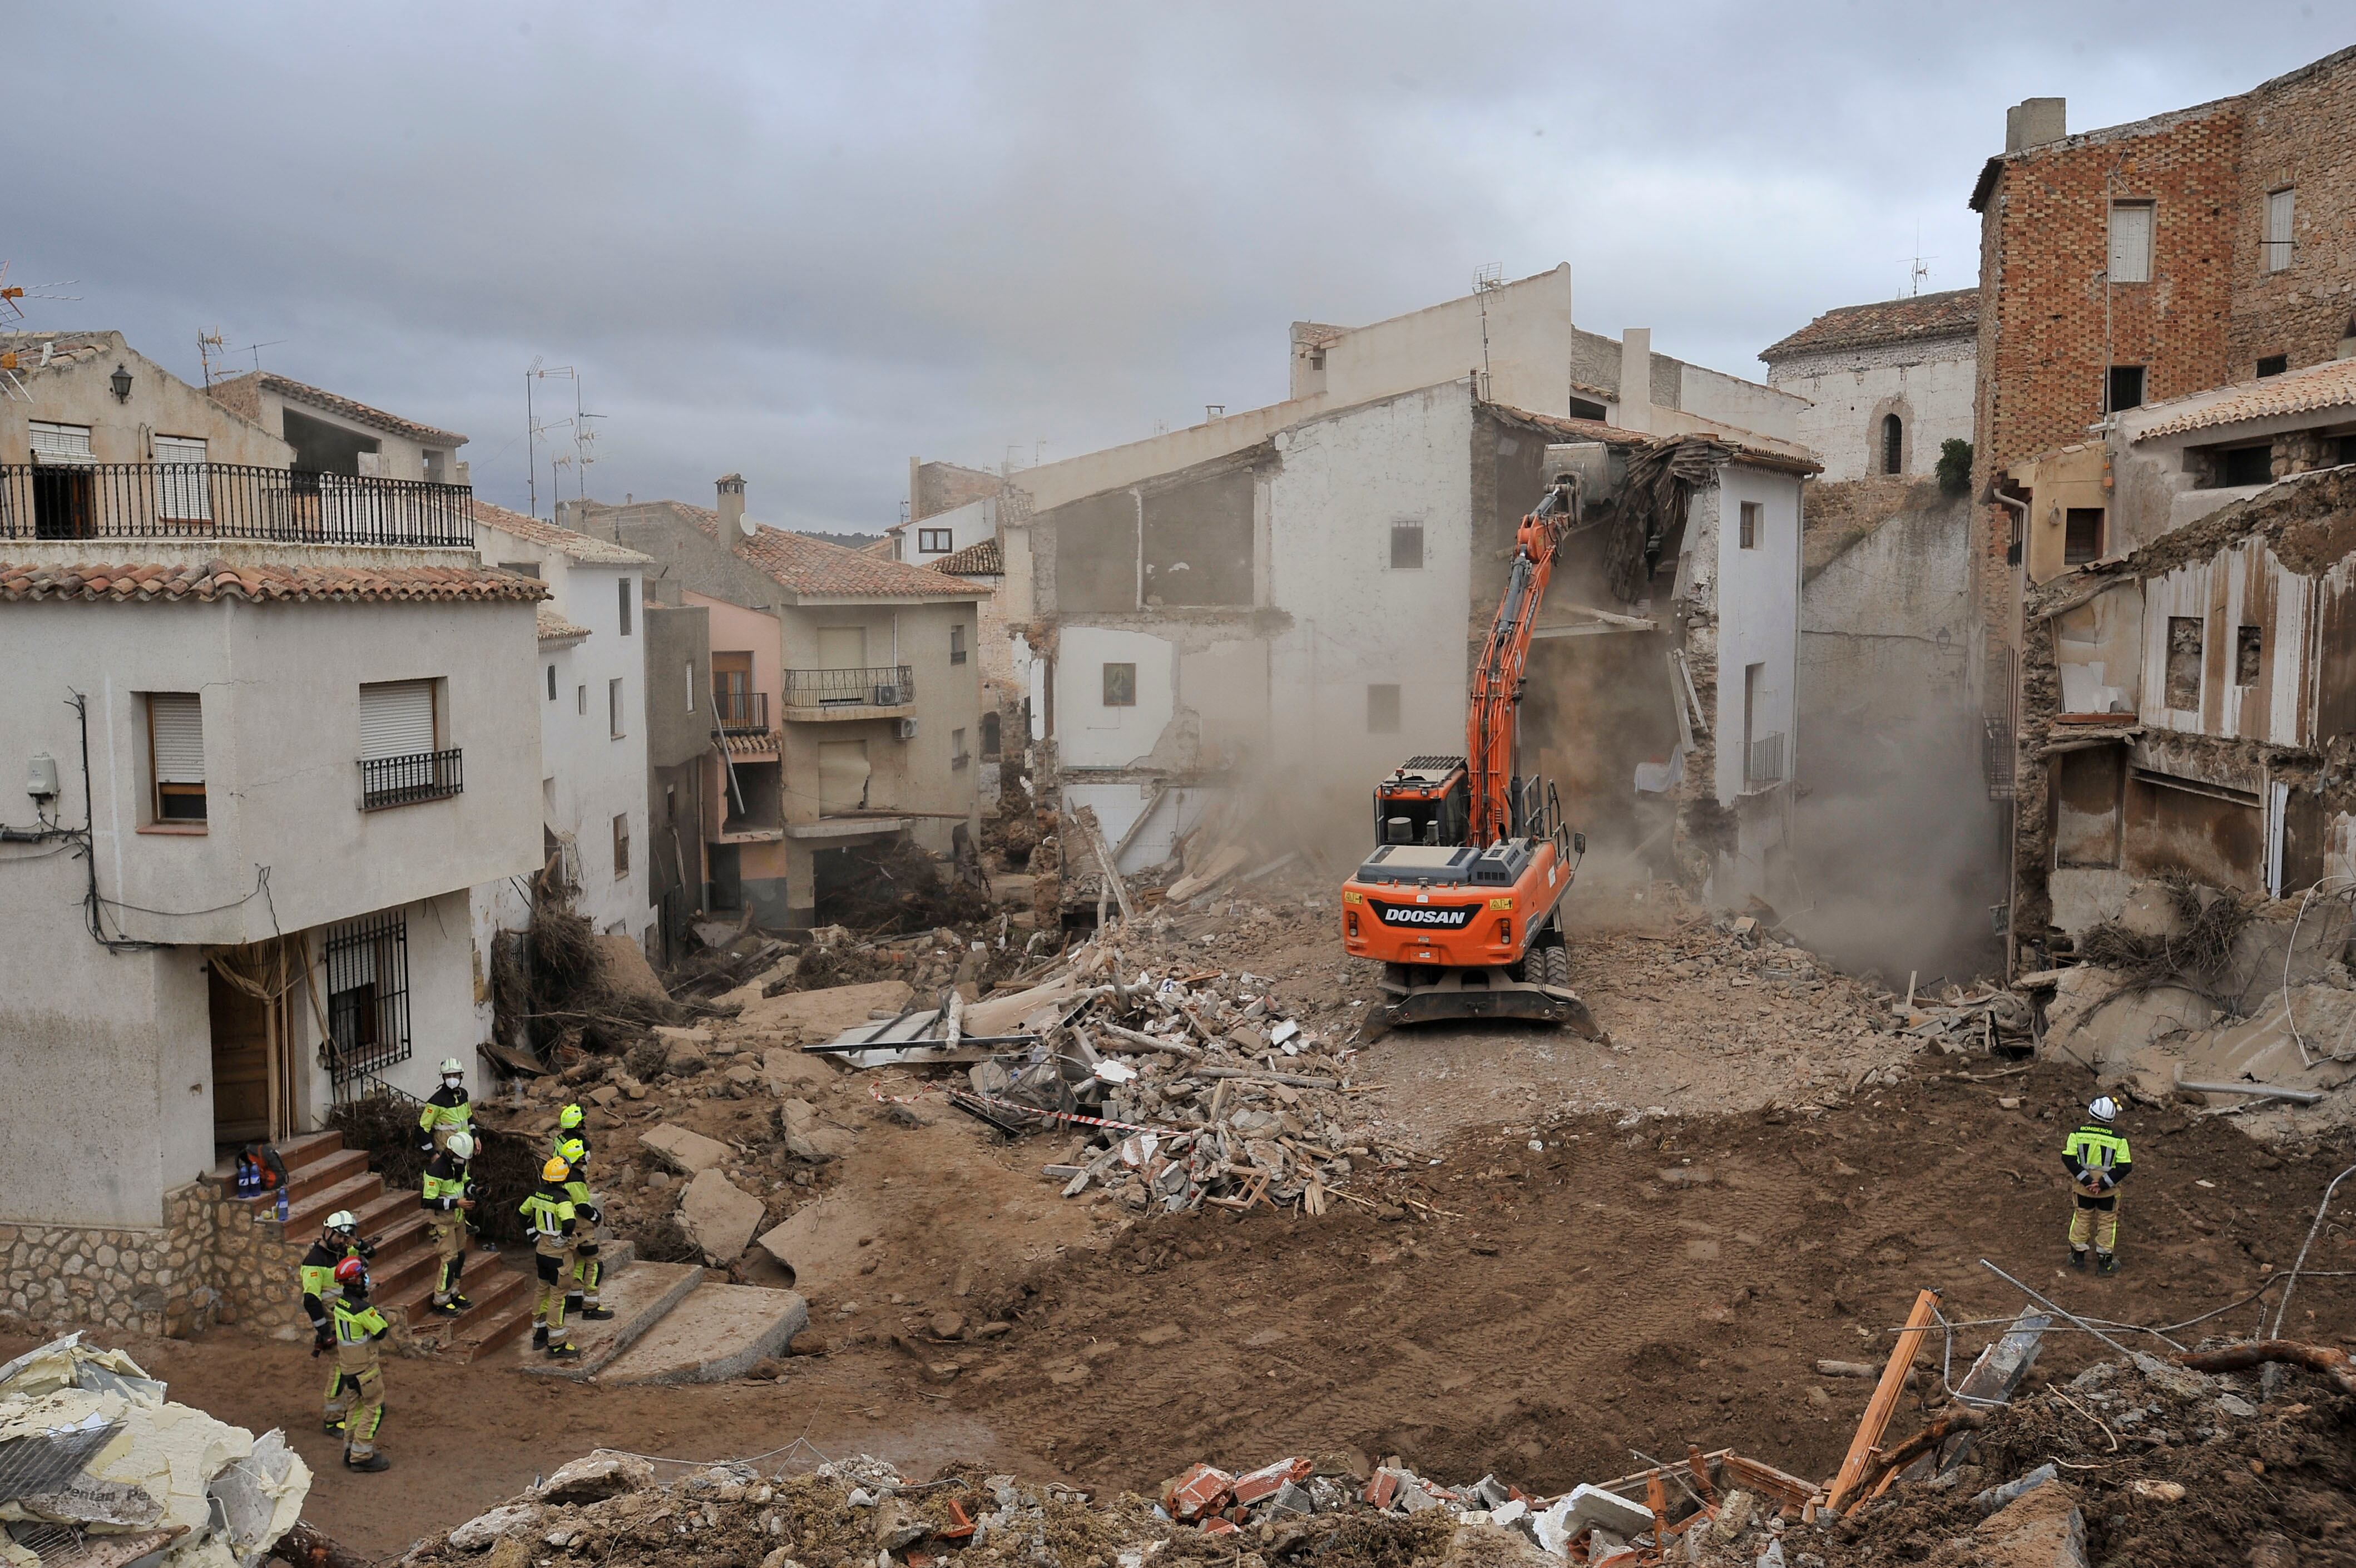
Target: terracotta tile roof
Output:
[
  {"x": 242, "y": 393},
  {"x": 1589, "y": 430},
  {"x": 982, "y": 558},
  {"x": 1953, "y": 314},
  {"x": 218, "y": 580},
  {"x": 553, "y": 626},
  {"x": 813, "y": 566},
  {"x": 572, "y": 544},
  {"x": 2332, "y": 385},
  {"x": 750, "y": 743}
]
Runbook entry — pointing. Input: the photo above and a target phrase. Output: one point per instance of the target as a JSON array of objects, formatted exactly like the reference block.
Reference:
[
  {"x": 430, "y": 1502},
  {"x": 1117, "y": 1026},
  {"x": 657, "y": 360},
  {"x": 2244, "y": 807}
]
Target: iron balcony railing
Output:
[
  {"x": 743, "y": 713},
  {"x": 1764, "y": 763},
  {"x": 405, "y": 781},
  {"x": 885, "y": 686},
  {"x": 228, "y": 500}
]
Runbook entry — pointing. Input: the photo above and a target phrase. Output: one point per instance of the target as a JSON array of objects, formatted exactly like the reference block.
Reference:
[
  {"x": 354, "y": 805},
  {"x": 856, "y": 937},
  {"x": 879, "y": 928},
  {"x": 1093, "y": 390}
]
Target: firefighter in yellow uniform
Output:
[
  {"x": 338, "y": 1239},
  {"x": 550, "y": 1220},
  {"x": 448, "y": 1110},
  {"x": 2097, "y": 1159},
  {"x": 358, "y": 1327},
  {"x": 444, "y": 1198},
  {"x": 581, "y": 1283}
]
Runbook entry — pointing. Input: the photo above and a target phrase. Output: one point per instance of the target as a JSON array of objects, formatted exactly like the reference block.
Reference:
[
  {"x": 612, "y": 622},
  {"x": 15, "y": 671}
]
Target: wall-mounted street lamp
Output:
[{"x": 121, "y": 381}]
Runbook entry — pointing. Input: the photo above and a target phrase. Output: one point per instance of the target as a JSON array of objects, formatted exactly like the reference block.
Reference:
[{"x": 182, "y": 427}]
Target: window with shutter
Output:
[
  {"x": 60, "y": 443},
  {"x": 2278, "y": 238},
  {"x": 183, "y": 490},
  {"x": 2130, "y": 259},
  {"x": 396, "y": 719},
  {"x": 175, "y": 750}
]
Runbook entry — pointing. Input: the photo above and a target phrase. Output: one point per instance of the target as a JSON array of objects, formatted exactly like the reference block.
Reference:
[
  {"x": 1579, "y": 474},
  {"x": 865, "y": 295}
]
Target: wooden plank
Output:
[{"x": 1884, "y": 1403}]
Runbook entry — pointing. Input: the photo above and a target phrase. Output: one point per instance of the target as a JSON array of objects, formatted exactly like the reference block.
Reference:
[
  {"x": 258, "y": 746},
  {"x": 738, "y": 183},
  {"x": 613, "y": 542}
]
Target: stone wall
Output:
[
  {"x": 157, "y": 1282},
  {"x": 254, "y": 1270}
]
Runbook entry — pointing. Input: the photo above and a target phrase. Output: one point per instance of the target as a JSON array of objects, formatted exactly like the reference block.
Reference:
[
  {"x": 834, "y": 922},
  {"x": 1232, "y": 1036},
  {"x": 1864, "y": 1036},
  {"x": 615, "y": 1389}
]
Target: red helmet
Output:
[{"x": 352, "y": 1271}]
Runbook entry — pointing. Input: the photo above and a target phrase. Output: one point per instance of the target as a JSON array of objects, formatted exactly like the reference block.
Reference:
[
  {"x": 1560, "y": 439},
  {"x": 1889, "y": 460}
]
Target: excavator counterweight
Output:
[{"x": 1461, "y": 899}]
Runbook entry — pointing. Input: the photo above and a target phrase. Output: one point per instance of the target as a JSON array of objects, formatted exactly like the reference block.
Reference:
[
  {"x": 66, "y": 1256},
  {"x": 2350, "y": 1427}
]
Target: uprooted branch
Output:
[{"x": 2320, "y": 1358}]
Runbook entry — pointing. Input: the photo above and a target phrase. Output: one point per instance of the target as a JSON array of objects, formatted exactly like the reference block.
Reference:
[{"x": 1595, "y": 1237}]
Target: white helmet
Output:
[
  {"x": 450, "y": 1067},
  {"x": 461, "y": 1146},
  {"x": 343, "y": 1220},
  {"x": 2104, "y": 1109}
]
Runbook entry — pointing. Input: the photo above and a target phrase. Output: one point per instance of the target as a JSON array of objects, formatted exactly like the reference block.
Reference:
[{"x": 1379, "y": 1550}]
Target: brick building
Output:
[{"x": 2145, "y": 262}]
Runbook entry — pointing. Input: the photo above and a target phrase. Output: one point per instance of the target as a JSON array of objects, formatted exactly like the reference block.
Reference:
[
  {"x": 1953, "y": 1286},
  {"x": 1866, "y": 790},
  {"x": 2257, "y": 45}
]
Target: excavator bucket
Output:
[{"x": 1486, "y": 993}]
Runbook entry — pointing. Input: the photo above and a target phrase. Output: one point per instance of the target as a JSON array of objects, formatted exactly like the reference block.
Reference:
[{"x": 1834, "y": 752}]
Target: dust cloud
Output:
[{"x": 1898, "y": 850}]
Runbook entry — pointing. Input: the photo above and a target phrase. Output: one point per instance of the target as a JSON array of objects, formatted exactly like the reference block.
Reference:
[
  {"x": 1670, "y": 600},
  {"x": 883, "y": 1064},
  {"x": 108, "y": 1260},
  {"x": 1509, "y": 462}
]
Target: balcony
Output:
[
  {"x": 820, "y": 695},
  {"x": 387, "y": 781},
  {"x": 1762, "y": 765},
  {"x": 743, "y": 713},
  {"x": 66, "y": 501}
]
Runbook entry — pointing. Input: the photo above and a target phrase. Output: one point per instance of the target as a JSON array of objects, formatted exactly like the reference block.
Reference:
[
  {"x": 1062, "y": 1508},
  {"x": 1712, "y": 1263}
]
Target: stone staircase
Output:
[{"x": 322, "y": 1176}]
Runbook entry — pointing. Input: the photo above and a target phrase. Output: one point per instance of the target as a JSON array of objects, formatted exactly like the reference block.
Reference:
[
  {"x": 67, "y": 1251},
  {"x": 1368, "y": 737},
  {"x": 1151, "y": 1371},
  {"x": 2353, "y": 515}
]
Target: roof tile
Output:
[
  {"x": 1953, "y": 313},
  {"x": 572, "y": 544},
  {"x": 215, "y": 581},
  {"x": 2332, "y": 385},
  {"x": 239, "y": 392},
  {"x": 982, "y": 558}
]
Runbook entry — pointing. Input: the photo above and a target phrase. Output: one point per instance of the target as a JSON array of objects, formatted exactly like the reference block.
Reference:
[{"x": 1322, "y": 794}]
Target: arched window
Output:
[
  {"x": 1893, "y": 443},
  {"x": 990, "y": 736}
]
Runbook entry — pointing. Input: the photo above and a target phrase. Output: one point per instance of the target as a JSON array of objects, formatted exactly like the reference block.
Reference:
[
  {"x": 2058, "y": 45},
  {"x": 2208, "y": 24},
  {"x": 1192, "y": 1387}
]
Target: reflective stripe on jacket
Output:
[{"x": 358, "y": 1327}]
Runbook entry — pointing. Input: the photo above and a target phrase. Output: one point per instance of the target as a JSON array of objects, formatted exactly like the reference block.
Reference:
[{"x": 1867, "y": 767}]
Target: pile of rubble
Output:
[
  {"x": 1185, "y": 1087},
  {"x": 97, "y": 1466}
]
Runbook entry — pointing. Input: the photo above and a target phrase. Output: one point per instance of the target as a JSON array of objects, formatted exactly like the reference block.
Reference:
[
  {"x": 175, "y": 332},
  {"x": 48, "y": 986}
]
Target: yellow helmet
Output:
[
  {"x": 572, "y": 1151},
  {"x": 555, "y": 1171}
]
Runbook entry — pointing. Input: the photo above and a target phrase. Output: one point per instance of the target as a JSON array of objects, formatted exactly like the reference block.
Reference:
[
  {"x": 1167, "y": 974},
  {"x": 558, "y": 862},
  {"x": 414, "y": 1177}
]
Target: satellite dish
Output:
[{"x": 749, "y": 526}]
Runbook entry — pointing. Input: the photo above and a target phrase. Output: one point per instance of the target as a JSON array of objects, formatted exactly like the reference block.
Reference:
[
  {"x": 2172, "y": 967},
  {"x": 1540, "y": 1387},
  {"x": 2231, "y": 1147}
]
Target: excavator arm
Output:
[{"x": 1492, "y": 726}]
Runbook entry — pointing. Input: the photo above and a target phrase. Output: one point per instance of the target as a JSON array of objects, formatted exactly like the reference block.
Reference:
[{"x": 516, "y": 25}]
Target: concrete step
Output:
[
  {"x": 311, "y": 1146},
  {"x": 330, "y": 1169},
  {"x": 306, "y": 1211},
  {"x": 640, "y": 1299},
  {"x": 716, "y": 1334},
  {"x": 488, "y": 1284}
]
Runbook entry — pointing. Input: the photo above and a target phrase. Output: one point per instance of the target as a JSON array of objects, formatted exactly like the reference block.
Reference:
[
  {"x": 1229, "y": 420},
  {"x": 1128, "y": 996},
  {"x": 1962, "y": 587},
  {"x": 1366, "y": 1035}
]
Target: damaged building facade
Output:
[
  {"x": 1282, "y": 612},
  {"x": 846, "y": 696},
  {"x": 2188, "y": 696},
  {"x": 266, "y": 724}
]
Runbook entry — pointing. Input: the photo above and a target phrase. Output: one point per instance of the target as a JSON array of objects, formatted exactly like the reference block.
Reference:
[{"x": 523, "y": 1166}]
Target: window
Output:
[
  {"x": 176, "y": 756},
  {"x": 956, "y": 644},
  {"x": 689, "y": 667},
  {"x": 626, "y": 596},
  {"x": 60, "y": 443},
  {"x": 367, "y": 995},
  {"x": 2249, "y": 653},
  {"x": 1407, "y": 546},
  {"x": 1747, "y": 538},
  {"x": 2274, "y": 365},
  {"x": 2125, "y": 388},
  {"x": 990, "y": 736},
  {"x": 2184, "y": 662},
  {"x": 2130, "y": 241},
  {"x": 1893, "y": 443},
  {"x": 2082, "y": 535},
  {"x": 181, "y": 488},
  {"x": 614, "y": 707},
  {"x": 2273, "y": 255},
  {"x": 621, "y": 845},
  {"x": 1382, "y": 710},
  {"x": 402, "y": 761},
  {"x": 932, "y": 542},
  {"x": 1120, "y": 685},
  {"x": 581, "y": 699},
  {"x": 552, "y": 682},
  {"x": 2249, "y": 466},
  {"x": 958, "y": 755},
  {"x": 521, "y": 568}
]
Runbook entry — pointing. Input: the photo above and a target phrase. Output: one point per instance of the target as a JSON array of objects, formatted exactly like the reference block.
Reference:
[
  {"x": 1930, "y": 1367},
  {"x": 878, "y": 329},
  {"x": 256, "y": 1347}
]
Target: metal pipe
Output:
[{"x": 2065, "y": 1312}]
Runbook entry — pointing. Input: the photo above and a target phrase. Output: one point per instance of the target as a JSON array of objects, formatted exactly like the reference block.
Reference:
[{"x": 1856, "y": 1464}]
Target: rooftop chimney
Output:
[
  {"x": 2033, "y": 122},
  {"x": 732, "y": 502}
]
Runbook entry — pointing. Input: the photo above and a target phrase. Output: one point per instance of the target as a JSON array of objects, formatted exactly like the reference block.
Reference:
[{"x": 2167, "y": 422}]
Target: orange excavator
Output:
[{"x": 1460, "y": 900}]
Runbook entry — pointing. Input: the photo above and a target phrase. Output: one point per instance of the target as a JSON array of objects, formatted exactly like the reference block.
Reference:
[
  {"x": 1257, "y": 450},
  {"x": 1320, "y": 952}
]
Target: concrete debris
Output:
[
  {"x": 683, "y": 1150},
  {"x": 601, "y": 1474},
  {"x": 719, "y": 1217},
  {"x": 94, "y": 1448}
]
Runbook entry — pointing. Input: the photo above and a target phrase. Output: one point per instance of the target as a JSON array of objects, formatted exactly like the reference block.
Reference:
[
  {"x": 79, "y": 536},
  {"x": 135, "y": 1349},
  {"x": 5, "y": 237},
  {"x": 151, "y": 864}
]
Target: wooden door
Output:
[{"x": 240, "y": 1031}]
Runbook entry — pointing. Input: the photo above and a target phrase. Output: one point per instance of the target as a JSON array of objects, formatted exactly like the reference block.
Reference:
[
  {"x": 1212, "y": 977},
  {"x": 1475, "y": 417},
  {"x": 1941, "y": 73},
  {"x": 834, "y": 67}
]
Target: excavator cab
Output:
[{"x": 1425, "y": 801}]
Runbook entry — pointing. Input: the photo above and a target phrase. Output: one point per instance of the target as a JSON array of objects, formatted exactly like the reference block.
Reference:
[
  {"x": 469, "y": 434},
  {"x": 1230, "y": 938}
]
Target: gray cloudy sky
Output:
[{"x": 808, "y": 241}]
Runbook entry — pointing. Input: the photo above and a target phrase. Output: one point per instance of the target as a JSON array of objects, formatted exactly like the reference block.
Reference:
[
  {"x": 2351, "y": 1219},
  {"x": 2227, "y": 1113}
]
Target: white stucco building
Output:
[
  {"x": 592, "y": 692},
  {"x": 1886, "y": 384}
]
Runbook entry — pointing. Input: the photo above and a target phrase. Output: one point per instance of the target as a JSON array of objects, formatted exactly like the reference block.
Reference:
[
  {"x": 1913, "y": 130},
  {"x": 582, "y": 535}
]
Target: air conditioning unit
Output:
[
  {"x": 887, "y": 695},
  {"x": 904, "y": 728}
]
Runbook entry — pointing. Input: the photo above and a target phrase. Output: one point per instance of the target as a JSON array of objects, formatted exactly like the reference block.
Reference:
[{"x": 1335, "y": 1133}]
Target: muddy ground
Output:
[{"x": 1597, "y": 1296}]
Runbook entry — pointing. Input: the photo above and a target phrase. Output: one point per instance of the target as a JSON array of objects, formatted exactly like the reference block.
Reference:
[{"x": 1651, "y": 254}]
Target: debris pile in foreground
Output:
[
  {"x": 2133, "y": 1461},
  {"x": 96, "y": 1466}
]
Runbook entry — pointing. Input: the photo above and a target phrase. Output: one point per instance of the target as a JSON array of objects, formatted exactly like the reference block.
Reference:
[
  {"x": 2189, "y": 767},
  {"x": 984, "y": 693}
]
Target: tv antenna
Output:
[
  {"x": 209, "y": 346},
  {"x": 12, "y": 312},
  {"x": 1485, "y": 281},
  {"x": 1919, "y": 265}
]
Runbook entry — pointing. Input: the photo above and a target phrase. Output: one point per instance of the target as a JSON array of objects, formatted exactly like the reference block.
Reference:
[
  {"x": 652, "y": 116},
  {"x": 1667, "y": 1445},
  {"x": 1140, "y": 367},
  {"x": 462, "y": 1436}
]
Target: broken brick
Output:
[
  {"x": 1268, "y": 1479},
  {"x": 1201, "y": 1490}
]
